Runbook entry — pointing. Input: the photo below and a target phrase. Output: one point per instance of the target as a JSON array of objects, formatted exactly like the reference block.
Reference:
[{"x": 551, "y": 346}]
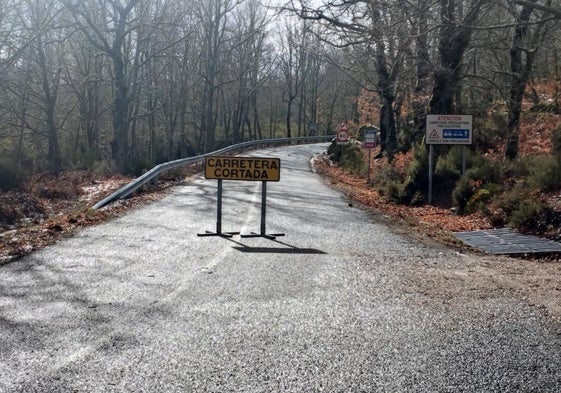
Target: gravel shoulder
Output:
[{"x": 532, "y": 280}]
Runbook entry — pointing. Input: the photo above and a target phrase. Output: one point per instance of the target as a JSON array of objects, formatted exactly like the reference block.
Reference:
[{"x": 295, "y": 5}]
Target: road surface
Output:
[{"x": 142, "y": 304}]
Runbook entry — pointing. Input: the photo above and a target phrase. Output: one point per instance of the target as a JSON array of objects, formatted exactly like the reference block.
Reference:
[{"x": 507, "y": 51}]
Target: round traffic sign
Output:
[{"x": 342, "y": 135}]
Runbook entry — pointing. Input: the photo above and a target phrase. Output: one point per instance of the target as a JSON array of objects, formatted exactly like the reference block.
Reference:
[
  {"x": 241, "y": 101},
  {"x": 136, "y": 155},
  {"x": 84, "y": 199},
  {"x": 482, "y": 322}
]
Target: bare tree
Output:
[
  {"x": 294, "y": 41},
  {"x": 371, "y": 29},
  {"x": 84, "y": 74},
  {"x": 248, "y": 70},
  {"x": 44, "y": 55},
  {"x": 214, "y": 34},
  {"x": 106, "y": 25},
  {"x": 454, "y": 38},
  {"x": 526, "y": 40}
]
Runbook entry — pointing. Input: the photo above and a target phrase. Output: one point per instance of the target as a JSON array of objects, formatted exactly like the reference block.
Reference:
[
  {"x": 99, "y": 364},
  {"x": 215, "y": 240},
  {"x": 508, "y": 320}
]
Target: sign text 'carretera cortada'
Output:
[{"x": 242, "y": 168}]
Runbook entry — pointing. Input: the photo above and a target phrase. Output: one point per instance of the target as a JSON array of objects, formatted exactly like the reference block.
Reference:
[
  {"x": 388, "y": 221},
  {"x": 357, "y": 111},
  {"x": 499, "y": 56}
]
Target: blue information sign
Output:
[
  {"x": 455, "y": 133},
  {"x": 449, "y": 129}
]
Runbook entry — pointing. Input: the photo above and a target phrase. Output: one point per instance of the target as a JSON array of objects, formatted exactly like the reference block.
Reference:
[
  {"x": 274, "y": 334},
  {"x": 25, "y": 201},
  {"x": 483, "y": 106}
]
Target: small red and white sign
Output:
[
  {"x": 371, "y": 137},
  {"x": 343, "y": 134}
]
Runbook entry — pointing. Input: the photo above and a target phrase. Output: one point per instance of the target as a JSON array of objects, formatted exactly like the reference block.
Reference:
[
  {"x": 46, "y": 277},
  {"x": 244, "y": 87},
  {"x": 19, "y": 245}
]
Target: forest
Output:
[
  {"x": 115, "y": 85},
  {"x": 121, "y": 85}
]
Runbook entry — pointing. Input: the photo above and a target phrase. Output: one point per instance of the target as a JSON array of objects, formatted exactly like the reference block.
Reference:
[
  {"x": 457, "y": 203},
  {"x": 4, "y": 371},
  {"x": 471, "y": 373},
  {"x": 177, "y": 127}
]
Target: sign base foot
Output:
[
  {"x": 220, "y": 234},
  {"x": 270, "y": 236}
]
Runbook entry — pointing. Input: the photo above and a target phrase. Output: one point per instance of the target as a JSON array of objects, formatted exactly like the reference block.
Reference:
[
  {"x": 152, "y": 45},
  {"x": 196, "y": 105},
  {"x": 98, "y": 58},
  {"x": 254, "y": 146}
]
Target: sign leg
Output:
[
  {"x": 218, "y": 217},
  {"x": 263, "y": 232},
  {"x": 219, "y": 208},
  {"x": 369, "y": 165},
  {"x": 431, "y": 171}
]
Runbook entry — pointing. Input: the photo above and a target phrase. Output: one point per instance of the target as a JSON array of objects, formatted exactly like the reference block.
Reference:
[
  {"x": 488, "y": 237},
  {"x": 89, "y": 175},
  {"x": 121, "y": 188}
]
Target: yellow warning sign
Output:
[{"x": 242, "y": 168}]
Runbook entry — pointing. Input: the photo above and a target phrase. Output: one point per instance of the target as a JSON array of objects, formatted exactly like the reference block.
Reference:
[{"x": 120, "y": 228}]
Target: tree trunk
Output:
[
  {"x": 454, "y": 40},
  {"x": 120, "y": 142},
  {"x": 49, "y": 99},
  {"x": 388, "y": 131},
  {"x": 520, "y": 73},
  {"x": 422, "y": 70},
  {"x": 288, "y": 116}
]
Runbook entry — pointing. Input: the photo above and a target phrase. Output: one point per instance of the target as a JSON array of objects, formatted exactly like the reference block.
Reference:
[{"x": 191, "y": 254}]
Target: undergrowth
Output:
[{"x": 509, "y": 193}]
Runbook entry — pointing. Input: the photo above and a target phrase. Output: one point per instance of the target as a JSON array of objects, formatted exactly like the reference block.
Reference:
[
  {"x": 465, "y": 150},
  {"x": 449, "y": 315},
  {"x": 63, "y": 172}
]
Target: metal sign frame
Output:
[
  {"x": 371, "y": 137},
  {"x": 263, "y": 229},
  {"x": 242, "y": 168},
  {"x": 371, "y": 140},
  {"x": 449, "y": 129},
  {"x": 248, "y": 169},
  {"x": 343, "y": 135}
]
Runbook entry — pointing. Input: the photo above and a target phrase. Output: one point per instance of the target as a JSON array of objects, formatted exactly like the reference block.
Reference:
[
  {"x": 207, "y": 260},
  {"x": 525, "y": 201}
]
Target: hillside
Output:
[
  {"x": 48, "y": 207},
  {"x": 440, "y": 219}
]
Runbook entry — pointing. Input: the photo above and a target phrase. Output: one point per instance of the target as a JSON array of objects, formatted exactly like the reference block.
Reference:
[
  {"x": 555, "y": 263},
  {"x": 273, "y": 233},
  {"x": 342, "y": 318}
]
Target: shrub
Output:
[
  {"x": 479, "y": 185},
  {"x": 528, "y": 216},
  {"x": 418, "y": 169},
  {"x": 521, "y": 208},
  {"x": 15, "y": 206},
  {"x": 417, "y": 176},
  {"x": 352, "y": 158},
  {"x": 556, "y": 143},
  {"x": 490, "y": 130},
  {"x": 449, "y": 165},
  {"x": 334, "y": 151},
  {"x": 138, "y": 166},
  {"x": 408, "y": 136},
  {"x": 462, "y": 193},
  {"x": 349, "y": 156},
  {"x": 485, "y": 170},
  {"x": 544, "y": 173},
  {"x": 406, "y": 190},
  {"x": 10, "y": 176},
  {"x": 102, "y": 168},
  {"x": 85, "y": 158},
  {"x": 388, "y": 183}
]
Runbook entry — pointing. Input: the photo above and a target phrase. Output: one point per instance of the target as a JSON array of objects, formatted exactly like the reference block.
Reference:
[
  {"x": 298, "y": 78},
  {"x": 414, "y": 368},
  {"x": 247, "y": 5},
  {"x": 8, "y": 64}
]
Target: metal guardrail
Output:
[{"x": 153, "y": 173}]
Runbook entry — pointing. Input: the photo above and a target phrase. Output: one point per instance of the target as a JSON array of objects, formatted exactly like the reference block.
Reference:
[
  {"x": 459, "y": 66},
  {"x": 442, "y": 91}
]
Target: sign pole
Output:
[
  {"x": 219, "y": 208},
  {"x": 218, "y": 217},
  {"x": 263, "y": 207},
  {"x": 431, "y": 170},
  {"x": 463, "y": 160},
  {"x": 369, "y": 164},
  {"x": 263, "y": 232},
  {"x": 262, "y": 169}
]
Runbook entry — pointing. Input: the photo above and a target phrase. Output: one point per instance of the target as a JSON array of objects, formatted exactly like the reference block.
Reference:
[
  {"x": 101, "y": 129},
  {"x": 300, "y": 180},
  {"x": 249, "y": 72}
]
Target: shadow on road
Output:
[{"x": 286, "y": 249}]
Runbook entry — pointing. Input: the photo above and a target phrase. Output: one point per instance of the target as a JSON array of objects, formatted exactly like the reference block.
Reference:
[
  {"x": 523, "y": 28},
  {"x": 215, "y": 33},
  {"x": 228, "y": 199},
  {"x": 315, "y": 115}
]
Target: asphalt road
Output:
[{"x": 142, "y": 304}]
